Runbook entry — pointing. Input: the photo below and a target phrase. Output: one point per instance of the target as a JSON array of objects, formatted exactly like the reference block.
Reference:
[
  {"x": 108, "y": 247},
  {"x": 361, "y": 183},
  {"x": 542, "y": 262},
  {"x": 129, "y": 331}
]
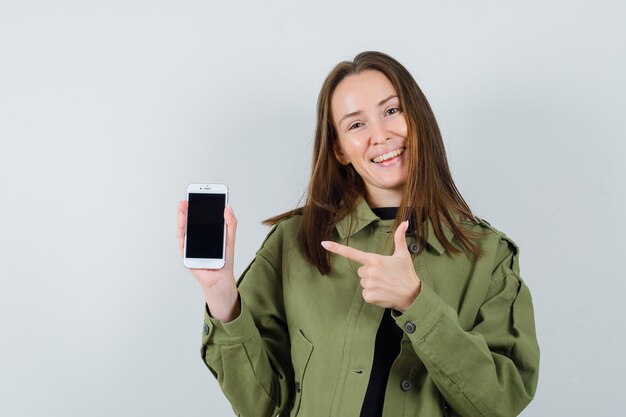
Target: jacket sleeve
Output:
[
  {"x": 491, "y": 369},
  {"x": 250, "y": 356}
]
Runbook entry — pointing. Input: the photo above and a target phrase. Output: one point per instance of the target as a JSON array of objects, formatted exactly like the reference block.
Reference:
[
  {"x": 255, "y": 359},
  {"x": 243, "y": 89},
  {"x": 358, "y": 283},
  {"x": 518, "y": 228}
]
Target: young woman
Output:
[{"x": 383, "y": 295}]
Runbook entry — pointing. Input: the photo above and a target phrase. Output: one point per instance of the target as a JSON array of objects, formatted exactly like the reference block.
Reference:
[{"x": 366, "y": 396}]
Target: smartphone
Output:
[{"x": 205, "y": 237}]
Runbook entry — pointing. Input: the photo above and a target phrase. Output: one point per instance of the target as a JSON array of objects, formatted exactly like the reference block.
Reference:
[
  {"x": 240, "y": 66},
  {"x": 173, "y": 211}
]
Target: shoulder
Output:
[
  {"x": 495, "y": 245},
  {"x": 280, "y": 237}
]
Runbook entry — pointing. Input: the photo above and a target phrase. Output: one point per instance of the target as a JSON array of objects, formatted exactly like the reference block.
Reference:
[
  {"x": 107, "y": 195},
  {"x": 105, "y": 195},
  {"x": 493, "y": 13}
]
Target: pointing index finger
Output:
[{"x": 347, "y": 252}]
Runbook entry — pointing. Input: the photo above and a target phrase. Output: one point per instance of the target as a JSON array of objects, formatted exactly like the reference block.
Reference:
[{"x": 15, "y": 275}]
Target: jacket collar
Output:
[{"x": 362, "y": 216}]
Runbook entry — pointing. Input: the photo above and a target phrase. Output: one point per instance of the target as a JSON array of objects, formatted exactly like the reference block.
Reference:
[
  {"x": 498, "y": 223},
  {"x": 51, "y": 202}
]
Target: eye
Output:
[
  {"x": 355, "y": 125},
  {"x": 392, "y": 110}
]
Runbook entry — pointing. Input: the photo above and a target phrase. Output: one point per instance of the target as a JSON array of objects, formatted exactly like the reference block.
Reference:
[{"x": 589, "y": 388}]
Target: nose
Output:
[{"x": 379, "y": 132}]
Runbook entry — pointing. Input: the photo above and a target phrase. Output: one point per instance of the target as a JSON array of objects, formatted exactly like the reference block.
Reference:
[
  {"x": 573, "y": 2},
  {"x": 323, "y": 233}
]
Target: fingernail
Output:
[{"x": 325, "y": 244}]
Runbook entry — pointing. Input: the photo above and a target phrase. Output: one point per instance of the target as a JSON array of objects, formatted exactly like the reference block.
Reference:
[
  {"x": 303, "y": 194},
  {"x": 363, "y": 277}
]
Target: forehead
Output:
[{"x": 358, "y": 91}]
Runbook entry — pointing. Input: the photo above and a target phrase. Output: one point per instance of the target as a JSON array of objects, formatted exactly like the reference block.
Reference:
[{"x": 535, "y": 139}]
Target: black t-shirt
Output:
[{"x": 386, "y": 350}]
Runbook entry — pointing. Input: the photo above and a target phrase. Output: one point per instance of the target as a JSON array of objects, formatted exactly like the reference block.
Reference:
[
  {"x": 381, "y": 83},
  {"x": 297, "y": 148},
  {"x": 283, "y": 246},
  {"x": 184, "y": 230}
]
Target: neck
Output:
[{"x": 384, "y": 198}]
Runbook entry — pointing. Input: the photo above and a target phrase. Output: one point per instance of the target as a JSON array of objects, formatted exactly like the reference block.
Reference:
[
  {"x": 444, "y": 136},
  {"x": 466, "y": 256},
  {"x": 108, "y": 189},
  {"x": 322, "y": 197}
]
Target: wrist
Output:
[
  {"x": 413, "y": 294},
  {"x": 223, "y": 307}
]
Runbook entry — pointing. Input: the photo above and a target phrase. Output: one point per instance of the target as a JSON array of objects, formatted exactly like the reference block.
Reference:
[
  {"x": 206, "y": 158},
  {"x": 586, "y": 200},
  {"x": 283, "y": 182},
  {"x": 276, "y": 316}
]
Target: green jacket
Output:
[{"x": 303, "y": 343}]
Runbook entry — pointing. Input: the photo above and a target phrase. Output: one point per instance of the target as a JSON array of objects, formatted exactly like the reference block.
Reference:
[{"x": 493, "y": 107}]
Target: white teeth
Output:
[{"x": 388, "y": 155}]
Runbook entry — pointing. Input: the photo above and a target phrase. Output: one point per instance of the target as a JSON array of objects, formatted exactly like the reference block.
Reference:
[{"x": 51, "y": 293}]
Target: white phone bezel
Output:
[{"x": 206, "y": 263}]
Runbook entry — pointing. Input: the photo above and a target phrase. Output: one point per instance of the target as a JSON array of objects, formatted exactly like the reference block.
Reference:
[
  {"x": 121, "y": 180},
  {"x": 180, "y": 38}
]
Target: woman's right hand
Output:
[{"x": 219, "y": 285}]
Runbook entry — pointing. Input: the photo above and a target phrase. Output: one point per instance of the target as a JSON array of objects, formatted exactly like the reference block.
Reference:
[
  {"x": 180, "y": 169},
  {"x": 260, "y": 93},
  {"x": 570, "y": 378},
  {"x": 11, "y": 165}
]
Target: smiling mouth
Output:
[{"x": 388, "y": 156}]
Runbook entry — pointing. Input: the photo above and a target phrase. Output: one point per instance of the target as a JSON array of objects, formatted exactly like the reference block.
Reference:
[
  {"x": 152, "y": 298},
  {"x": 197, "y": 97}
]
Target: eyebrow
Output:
[{"x": 356, "y": 113}]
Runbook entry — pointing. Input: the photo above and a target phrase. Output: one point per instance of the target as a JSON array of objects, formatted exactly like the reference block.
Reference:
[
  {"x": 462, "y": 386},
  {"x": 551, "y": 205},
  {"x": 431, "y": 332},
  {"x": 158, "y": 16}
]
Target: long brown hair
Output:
[{"x": 429, "y": 191}]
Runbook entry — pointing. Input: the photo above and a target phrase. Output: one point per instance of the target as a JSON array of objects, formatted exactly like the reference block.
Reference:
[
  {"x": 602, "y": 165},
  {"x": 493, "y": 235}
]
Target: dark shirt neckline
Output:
[{"x": 386, "y": 213}]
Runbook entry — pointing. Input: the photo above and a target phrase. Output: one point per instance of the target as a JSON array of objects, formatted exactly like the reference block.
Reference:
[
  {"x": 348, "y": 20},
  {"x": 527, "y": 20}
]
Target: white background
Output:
[{"x": 109, "y": 109}]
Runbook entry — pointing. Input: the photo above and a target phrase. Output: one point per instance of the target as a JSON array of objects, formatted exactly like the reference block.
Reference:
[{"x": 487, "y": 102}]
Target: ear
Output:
[{"x": 340, "y": 156}]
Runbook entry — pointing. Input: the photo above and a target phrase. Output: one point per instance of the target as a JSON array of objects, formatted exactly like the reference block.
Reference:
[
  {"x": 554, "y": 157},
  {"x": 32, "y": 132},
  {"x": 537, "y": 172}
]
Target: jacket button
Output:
[
  {"x": 206, "y": 329},
  {"x": 406, "y": 385},
  {"x": 409, "y": 327},
  {"x": 414, "y": 248},
  {"x": 298, "y": 388}
]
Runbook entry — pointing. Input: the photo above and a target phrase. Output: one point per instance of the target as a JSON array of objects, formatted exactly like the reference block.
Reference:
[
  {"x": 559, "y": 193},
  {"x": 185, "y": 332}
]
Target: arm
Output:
[
  {"x": 492, "y": 369},
  {"x": 245, "y": 341},
  {"x": 250, "y": 355}
]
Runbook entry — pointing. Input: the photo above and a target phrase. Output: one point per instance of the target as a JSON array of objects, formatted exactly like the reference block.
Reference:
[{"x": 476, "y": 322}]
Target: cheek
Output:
[
  {"x": 354, "y": 145},
  {"x": 400, "y": 127}
]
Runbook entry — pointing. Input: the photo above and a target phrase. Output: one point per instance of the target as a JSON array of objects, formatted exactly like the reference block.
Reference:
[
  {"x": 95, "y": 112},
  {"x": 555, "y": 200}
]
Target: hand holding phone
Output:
[{"x": 219, "y": 285}]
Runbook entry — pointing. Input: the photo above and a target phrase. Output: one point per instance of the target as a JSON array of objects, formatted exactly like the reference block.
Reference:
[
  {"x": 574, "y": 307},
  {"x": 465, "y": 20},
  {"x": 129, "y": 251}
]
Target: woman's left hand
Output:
[{"x": 387, "y": 281}]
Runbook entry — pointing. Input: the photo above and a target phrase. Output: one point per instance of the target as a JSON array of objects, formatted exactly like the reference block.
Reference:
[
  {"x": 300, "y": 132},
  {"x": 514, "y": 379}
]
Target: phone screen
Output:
[{"x": 205, "y": 226}]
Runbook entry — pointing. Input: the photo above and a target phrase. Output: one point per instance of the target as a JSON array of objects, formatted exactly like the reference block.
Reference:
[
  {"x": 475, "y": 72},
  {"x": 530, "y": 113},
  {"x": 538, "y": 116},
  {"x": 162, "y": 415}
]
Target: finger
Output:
[
  {"x": 182, "y": 215},
  {"x": 362, "y": 272},
  {"x": 346, "y": 251},
  {"x": 399, "y": 239},
  {"x": 367, "y": 296},
  {"x": 231, "y": 233},
  {"x": 182, "y": 223}
]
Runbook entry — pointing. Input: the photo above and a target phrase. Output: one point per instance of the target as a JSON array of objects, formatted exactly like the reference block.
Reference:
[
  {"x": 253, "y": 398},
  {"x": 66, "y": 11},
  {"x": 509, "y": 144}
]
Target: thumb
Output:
[
  {"x": 399, "y": 239},
  {"x": 231, "y": 233}
]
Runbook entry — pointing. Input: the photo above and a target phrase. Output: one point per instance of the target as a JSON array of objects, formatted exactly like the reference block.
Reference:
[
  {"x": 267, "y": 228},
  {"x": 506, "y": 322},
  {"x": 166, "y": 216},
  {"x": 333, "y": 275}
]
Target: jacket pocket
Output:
[{"x": 301, "y": 350}]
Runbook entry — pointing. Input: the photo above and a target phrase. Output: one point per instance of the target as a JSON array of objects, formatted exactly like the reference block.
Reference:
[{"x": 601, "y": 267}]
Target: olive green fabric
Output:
[{"x": 303, "y": 343}]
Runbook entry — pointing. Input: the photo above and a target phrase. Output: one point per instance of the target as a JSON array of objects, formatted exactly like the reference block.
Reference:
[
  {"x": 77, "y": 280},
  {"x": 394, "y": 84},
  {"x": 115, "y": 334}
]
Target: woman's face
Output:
[{"x": 372, "y": 134}]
